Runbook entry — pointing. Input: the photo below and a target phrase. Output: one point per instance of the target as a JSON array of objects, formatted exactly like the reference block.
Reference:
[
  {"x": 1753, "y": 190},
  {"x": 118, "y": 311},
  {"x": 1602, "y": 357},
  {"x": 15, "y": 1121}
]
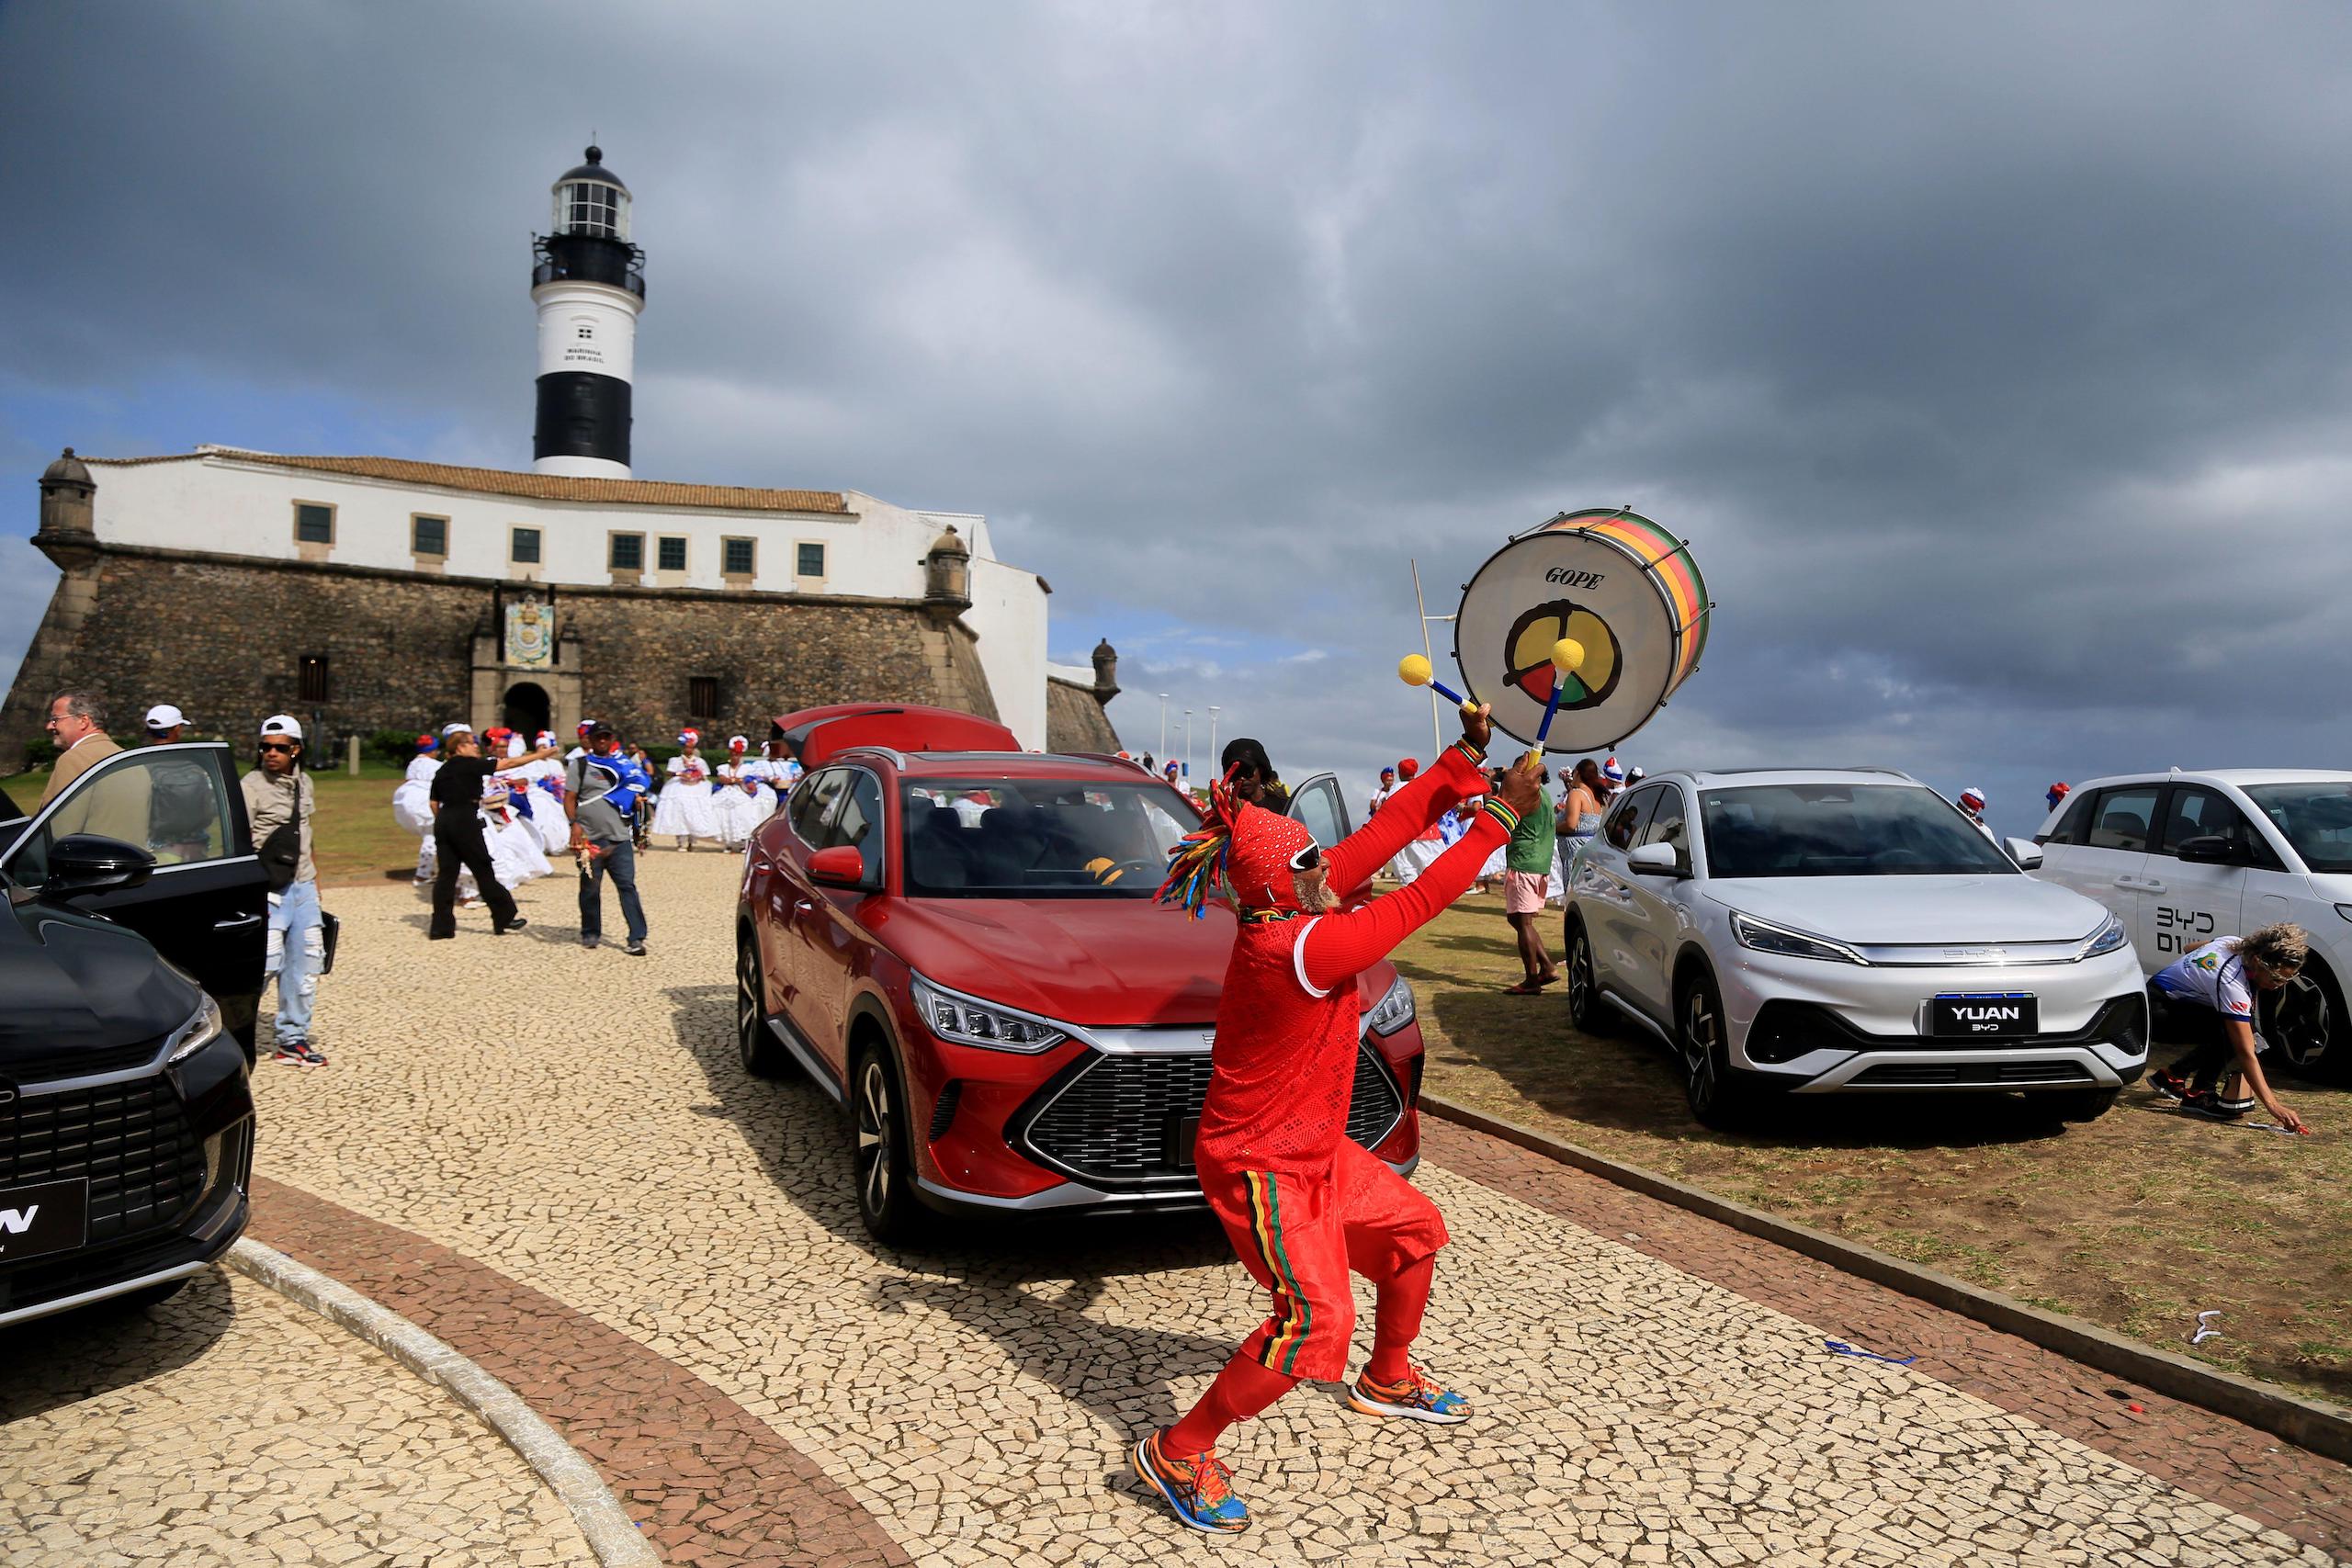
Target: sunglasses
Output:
[{"x": 276, "y": 746}]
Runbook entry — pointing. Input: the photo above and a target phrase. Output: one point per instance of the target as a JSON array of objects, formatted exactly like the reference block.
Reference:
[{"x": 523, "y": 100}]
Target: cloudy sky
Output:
[{"x": 1996, "y": 361}]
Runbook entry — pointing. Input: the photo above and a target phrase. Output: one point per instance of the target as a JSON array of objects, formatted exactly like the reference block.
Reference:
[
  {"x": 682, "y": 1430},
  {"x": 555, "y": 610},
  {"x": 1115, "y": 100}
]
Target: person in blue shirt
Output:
[{"x": 602, "y": 788}]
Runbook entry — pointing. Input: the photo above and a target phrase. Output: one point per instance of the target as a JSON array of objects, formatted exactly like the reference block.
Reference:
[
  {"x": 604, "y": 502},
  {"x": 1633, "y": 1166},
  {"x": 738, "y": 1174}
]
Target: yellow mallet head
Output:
[
  {"x": 1414, "y": 671},
  {"x": 1567, "y": 654}
]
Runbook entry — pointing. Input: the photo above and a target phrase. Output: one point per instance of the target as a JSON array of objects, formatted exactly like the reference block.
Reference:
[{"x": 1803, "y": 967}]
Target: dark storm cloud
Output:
[{"x": 1996, "y": 360}]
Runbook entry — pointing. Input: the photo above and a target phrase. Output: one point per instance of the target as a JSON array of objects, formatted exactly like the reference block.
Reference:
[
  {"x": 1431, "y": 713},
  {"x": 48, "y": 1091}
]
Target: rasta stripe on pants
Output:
[{"x": 1293, "y": 1316}]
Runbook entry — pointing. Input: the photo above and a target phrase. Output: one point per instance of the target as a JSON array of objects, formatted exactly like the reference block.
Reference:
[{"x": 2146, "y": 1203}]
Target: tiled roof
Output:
[{"x": 540, "y": 486}]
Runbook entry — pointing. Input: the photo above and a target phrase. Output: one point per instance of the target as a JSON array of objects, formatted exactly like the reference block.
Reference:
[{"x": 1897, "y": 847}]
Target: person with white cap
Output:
[
  {"x": 684, "y": 810},
  {"x": 1972, "y": 805},
  {"x": 164, "y": 723},
  {"x": 279, "y": 805}
]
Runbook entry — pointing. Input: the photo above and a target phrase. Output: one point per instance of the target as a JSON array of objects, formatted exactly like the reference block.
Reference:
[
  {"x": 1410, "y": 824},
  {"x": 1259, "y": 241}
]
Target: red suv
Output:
[{"x": 962, "y": 946}]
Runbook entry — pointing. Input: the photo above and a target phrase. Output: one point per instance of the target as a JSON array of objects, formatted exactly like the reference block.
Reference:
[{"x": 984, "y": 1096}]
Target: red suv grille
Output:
[{"x": 1114, "y": 1121}]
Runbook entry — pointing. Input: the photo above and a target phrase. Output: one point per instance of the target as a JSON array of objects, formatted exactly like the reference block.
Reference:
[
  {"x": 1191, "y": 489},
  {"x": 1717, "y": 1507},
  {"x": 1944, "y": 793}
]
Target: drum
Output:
[{"x": 1613, "y": 580}]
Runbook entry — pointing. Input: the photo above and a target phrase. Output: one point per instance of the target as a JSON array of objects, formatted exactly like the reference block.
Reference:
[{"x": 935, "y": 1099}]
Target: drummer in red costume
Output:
[{"x": 1303, "y": 1203}]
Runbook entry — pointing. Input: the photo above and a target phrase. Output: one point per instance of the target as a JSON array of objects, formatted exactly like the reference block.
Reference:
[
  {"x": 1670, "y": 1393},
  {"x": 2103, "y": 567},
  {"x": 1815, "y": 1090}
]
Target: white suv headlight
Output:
[
  {"x": 2110, "y": 936},
  {"x": 1394, "y": 1010},
  {"x": 967, "y": 1020},
  {"x": 1789, "y": 943},
  {"x": 202, "y": 1029}
]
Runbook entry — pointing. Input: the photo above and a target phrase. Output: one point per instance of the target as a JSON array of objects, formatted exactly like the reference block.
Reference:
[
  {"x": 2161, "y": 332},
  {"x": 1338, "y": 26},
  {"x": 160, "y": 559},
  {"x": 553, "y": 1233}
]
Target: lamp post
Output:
[
  {"x": 1188, "y": 748},
  {"x": 1213, "y": 750},
  {"x": 1163, "y": 726}
]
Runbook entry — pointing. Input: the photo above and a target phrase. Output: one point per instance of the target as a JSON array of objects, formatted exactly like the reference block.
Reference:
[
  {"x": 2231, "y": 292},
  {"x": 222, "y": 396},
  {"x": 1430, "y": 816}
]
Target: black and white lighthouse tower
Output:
[{"x": 588, "y": 281}]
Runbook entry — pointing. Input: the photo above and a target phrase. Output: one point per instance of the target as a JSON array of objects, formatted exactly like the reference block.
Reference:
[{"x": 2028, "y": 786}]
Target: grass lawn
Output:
[{"x": 2137, "y": 1220}]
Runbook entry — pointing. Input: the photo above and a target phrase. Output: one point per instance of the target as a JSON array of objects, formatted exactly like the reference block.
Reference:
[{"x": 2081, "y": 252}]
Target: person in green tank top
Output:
[{"x": 1527, "y": 874}]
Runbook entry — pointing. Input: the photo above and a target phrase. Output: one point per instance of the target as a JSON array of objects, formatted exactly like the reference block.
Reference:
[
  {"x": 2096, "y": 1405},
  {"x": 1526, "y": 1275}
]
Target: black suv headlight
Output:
[{"x": 202, "y": 1029}]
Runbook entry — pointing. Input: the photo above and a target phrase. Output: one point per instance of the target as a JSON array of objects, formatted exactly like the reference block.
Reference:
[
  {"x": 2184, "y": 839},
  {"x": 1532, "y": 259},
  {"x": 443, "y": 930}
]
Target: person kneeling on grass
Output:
[{"x": 2209, "y": 998}]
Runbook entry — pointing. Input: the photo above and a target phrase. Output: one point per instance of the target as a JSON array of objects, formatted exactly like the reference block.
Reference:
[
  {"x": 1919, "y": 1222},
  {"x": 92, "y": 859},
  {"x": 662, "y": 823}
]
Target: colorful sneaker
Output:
[
  {"x": 312, "y": 1054},
  {"x": 1416, "y": 1399},
  {"x": 2168, "y": 1085},
  {"x": 1199, "y": 1489},
  {"x": 2214, "y": 1107},
  {"x": 292, "y": 1056}
]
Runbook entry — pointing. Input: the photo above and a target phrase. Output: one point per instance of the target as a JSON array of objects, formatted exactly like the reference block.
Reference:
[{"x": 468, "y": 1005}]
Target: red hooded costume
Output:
[{"x": 1303, "y": 1203}]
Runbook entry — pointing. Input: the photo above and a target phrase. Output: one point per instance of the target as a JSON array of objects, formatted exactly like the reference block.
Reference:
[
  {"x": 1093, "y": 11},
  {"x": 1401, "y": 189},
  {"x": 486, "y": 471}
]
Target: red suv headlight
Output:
[{"x": 967, "y": 1020}]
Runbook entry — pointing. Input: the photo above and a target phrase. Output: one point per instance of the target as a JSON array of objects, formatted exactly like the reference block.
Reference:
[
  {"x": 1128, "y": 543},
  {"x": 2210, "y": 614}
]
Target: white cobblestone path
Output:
[
  {"x": 228, "y": 1427},
  {"x": 577, "y": 1121}
]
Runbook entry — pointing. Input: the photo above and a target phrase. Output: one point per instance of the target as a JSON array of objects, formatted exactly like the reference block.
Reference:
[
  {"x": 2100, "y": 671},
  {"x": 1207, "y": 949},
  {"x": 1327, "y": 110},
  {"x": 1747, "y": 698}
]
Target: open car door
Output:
[{"x": 207, "y": 905}]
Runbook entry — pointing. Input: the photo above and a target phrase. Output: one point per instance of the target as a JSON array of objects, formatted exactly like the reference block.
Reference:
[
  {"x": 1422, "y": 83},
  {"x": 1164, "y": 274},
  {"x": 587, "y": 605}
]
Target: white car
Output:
[
  {"x": 1844, "y": 931},
  {"x": 2183, "y": 858}
]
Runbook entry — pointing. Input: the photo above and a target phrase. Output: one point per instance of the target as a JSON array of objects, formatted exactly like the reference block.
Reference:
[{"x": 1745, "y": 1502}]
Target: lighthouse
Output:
[{"x": 588, "y": 282}]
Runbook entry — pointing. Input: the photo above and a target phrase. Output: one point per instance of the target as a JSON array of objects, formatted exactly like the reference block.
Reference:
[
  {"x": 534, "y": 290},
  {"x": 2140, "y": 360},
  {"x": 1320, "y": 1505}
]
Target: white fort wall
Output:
[{"x": 217, "y": 502}]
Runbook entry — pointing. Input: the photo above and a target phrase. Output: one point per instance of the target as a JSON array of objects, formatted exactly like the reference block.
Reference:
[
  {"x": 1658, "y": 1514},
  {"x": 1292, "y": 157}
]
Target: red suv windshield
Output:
[{"x": 1040, "y": 838}]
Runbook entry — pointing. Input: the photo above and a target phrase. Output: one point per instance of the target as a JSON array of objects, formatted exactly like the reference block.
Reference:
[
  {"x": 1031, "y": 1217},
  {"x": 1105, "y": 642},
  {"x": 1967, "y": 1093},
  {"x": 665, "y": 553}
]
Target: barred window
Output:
[
  {"x": 314, "y": 525},
  {"x": 674, "y": 553},
  {"x": 428, "y": 536},
  {"x": 628, "y": 552},
  {"x": 311, "y": 682},
  {"x": 737, "y": 557},
  {"x": 525, "y": 547},
  {"x": 812, "y": 561},
  {"x": 702, "y": 696}
]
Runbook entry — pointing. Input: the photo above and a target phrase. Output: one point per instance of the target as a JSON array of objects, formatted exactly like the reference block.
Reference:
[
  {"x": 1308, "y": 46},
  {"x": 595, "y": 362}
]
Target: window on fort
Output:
[
  {"x": 702, "y": 696},
  {"x": 311, "y": 679},
  {"x": 525, "y": 550},
  {"x": 736, "y": 558},
  {"x": 672, "y": 555},
  {"x": 314, "y": 525},
  {"x": 811, "y": 562},
  {"x": 428, "y": 536},
  {"x": 628, "y": 552}
]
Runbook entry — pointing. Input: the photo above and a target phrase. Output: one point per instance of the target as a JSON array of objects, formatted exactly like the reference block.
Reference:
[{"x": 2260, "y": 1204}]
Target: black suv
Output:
[{"x": 131, "y": 968}]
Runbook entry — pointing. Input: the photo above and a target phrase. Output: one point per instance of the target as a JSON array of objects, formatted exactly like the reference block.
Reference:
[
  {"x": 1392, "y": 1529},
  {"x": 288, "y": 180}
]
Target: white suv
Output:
[
  {"x": 2183, "y": 858},
  {"x": 1845, "y": 930}
]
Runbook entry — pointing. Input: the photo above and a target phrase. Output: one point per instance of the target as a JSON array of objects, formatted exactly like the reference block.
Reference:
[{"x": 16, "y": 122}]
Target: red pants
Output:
[{"x": 1299, "y": 1235}]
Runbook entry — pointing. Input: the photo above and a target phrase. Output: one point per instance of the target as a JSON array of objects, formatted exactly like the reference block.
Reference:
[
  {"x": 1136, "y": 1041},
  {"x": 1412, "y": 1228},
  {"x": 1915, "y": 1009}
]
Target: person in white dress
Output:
[
  {"x": 413, "y": 802},
  {"x": 546, "y": 783},
  {"x": 684, "y": 811},
  {"x": 516, "y": 852},
  {"x": 734, "y": 796},
  {"x": 760, "y": 770}
]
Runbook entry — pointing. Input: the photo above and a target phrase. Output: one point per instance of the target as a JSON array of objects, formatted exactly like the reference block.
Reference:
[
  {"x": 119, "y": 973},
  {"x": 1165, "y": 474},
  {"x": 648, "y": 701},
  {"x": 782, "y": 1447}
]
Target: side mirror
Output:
[
  {"x": 82, "y": 863},
  {"x": 840, "y": 866},
  {"x": 1655, "y": 859},
  {"x": 2025, "y": 853},
  {"x": 2207, "y": 849}
]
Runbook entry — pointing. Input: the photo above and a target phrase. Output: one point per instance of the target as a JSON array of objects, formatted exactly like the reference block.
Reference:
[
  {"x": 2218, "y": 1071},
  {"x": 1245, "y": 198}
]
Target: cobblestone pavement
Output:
[
  {"x": 547, "y": 1153},
  {"x": 228, "y": 1427}
]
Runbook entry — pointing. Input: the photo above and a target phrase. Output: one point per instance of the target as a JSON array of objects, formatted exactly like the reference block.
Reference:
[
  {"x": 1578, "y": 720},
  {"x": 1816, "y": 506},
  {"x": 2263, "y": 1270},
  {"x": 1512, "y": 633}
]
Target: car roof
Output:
[
  {"x": 999, "y": 764},
  {"x": 1712, "y": 777},
  {"x": 2235, "y": 777}
]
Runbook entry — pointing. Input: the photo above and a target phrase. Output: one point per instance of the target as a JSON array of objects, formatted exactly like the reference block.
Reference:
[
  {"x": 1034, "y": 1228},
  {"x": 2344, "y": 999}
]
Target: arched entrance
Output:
[{"x": 527, "y": 711}]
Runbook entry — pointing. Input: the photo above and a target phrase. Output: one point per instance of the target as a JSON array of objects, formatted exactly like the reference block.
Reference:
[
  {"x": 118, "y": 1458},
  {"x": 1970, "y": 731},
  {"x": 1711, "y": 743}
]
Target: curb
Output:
[
  {"x": 610, "y": 1533},
  {"x": 2322, "y": 1427}
]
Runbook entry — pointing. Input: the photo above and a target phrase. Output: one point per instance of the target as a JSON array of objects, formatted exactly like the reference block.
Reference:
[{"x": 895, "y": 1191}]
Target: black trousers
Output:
[
  {"x": 2209, "y": 1057},
  {"x": 457, "y": 845}
]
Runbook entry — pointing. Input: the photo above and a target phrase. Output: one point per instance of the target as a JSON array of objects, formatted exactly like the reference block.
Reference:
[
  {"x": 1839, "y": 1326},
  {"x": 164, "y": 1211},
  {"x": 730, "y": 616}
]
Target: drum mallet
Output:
[
  {"x": 1567, "y": 654},
  {"x": 1414, "y": 671}
]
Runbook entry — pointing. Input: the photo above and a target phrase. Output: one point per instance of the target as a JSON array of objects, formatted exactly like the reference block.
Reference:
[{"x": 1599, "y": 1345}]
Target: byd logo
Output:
[{"x": 16, "y": 1222}]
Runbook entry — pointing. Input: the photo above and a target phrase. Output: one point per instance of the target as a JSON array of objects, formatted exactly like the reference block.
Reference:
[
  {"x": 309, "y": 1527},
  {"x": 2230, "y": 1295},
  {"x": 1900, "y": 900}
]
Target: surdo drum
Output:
[{"x": 1612, "y": 581}]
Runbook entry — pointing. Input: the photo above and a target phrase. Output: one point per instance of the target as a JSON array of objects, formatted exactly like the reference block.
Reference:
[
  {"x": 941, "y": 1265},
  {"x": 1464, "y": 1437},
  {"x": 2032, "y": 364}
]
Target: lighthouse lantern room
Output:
[{"x": 588, "y": 282}]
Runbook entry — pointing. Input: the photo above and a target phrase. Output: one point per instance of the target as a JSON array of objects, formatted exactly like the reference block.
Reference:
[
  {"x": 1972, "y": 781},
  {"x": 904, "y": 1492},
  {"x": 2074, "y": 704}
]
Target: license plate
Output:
[
  {"x": 53, "y": 1216},
  {"x": 1984, "y": 1015},
  {"x": 1188, "y": 1133}
]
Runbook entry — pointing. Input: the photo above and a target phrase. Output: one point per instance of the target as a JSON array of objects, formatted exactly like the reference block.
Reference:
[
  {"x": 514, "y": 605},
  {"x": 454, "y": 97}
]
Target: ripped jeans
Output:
[{"x": 297, "y": 949}]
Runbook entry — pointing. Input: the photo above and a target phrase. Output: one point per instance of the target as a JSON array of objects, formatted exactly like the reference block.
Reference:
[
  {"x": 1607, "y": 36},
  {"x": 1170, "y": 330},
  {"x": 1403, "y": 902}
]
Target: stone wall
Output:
[
  {"x": 1075, "y": 720},
  {"x": 222, "y": 637}
]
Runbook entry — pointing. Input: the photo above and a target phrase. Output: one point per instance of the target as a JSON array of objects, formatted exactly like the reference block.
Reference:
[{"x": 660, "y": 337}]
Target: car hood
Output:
[
  {"x": 1099, "y": 961},
  {"x": 1899, "y": 910},
  {"x": 70, "y": 981}
]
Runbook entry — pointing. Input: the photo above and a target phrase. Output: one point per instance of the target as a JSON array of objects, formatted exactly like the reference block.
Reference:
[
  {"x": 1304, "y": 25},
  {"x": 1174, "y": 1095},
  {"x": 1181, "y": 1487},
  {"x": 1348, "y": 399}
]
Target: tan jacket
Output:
[
  {"x": 75, "y": 760},
  {"x": 270, "y": 803}
]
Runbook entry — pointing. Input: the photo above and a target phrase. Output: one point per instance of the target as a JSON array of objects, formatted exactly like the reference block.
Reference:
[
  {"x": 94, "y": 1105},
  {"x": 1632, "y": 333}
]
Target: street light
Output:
[
  {"x": 1163, "y": 726},
  {"x": 1213, "y": 750},
  {"x": 1188, "y": 745}
]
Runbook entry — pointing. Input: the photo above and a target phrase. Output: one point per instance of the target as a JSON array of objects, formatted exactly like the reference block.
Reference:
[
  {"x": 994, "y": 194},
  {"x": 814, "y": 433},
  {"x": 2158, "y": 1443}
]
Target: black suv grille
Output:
[
  {"x": 1985, "y": 1075},
  {"x": 130, "y": 1140},
  {"x": 1116, "y": 1119}
]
